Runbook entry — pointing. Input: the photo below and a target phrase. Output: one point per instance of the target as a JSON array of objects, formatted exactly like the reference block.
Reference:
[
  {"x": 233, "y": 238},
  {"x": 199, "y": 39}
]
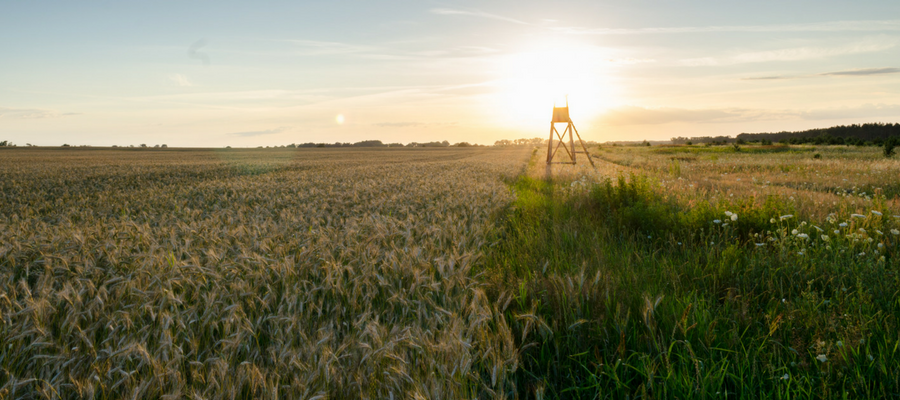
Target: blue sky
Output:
[{"x": 271, "y": 73}]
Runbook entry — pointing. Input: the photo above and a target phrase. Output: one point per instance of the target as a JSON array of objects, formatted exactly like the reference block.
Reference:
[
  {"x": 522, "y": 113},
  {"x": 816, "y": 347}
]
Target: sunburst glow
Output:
[{"x": 546, "y": 74}]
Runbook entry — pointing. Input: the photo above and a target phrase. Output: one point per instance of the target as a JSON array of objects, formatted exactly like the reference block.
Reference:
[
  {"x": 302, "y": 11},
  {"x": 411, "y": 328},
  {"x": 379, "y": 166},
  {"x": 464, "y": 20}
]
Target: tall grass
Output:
[{"x": 622, "y": 289}]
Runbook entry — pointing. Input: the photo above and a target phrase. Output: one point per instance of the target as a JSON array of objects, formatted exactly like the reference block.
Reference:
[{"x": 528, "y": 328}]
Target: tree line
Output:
[{"x": 873, "y": 134}]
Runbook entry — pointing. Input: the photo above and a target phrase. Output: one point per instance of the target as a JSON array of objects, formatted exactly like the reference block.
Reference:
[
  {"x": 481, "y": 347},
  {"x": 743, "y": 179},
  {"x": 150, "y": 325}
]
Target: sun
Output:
[{"x": 533, "y": 80}]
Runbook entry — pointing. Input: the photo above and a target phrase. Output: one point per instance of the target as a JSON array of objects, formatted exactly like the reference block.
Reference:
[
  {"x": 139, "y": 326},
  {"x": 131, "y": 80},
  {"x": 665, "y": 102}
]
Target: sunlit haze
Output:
[{"x": 238, "y": 74}]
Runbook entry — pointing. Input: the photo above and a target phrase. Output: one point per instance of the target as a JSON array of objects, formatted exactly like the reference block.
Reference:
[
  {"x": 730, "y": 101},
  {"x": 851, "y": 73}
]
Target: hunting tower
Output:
[{"x": 561, "y": 116}]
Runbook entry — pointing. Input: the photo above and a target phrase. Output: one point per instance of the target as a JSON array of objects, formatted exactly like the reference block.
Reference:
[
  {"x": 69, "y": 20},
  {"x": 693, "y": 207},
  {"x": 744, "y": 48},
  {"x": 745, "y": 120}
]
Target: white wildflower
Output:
[
  {"x": 843, "y": 225},
  {"x": 878, "y": 213},
  {"x": 788, "y": 216},
  {"x": 857, "y": 216},
  {"x": 716, "y": 221},
  {"x": 734, "y": 217},
  {"x": 895, "y": 232},
  {"x": 821, "y": 358},
  {"x": 803, "y": 236}
]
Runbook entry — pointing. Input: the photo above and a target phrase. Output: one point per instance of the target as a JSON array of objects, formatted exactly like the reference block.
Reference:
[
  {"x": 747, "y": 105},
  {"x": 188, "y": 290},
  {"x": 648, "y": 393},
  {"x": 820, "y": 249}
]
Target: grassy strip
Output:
[{"x": 616, "y": 291}]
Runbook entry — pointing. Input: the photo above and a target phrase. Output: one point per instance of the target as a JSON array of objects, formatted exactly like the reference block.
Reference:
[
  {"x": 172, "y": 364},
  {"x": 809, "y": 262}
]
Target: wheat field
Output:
[
  {"x": 251, "y": 273},
  {"x": 449, "y": 273}
]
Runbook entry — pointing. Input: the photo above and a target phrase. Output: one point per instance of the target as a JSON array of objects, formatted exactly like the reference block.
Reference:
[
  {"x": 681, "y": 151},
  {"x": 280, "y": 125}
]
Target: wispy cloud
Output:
[
  {"x": 770, "y": 78},
  {"x": 867, "y": 45},
  {"x": 832, "y": 26},
  {"x": 848, "y": 73},
  {"x": 413, "y": 124},
  {"x": 863, "y": 72},
  {"x": 261, "y": 133},
  {"x": 318, "y": 47},
  {"x": 194, "y": 51},
  {"x": 631, "y": 115},
  {"x": 477, "y": 13},
  {"x": 180, "y": 80},
  {"x": 31, "y": 113},
  {"x": 399, "y": 124},
  {"x": 863, "y": 111}
]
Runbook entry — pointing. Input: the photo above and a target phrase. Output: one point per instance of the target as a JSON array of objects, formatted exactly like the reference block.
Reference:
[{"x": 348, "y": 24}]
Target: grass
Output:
[{"x": 624, "y": 290}]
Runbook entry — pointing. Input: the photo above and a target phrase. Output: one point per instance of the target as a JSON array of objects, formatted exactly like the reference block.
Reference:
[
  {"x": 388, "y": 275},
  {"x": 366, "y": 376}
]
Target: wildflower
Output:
[
  {"x": 760, "y": 244},
  {"x": 728, "y": 213},
  {"x": 879, "y": 232},
  {"x": 880, "y": 245},
  {"x": 871, "y": 358},
  {"x": 876, "y": 213},
  {"x": 801, "y": 253},
  {"x": 843, "y": 225},
  {"x": 828, "y": 247},
  {"x": 784, "y": 217},
  {"x": 712, "y": 243},
  {"x": 734, "y": 217},
  {"x": 895, "y": 232},
  {"x": 840, "y": 343},
  {"x": 825, "y": 237},
  {"x": 725, "y": 224},
  {"x": 862, "y": 254},
  {"x": 716, "y": 221},
  {"x": 818, "y": 229},
  {"x": 803, "y": 236},
  {"x": 862, "y": 230},
  {"x": 771, "y": 220},
  {"x": 837, "y": 232},
  {"x": 794, "y": 232},
  {"x": 857, "y": 216},
  {"x": 785, "y": 377},
  {"x": 821, "y": 358},
  {"x": 803, "y": 223}
]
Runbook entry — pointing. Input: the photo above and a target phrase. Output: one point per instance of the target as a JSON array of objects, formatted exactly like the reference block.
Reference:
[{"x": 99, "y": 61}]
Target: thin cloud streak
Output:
[
  {"x": 477, "y": 13},
  {"x": 863, "y": 72},
  {"x": 31, "y": 113},
  {"x": 869, "y": 45},
  {"x": 261, "y": 133},
  {"x": 632, "y": 115},
  {"x": 835, "y": 26}
]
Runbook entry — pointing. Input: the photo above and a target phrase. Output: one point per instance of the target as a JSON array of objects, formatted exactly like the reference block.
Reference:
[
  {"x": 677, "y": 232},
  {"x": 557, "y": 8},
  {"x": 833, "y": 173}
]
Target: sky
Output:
[{"x": 227, "y": 73}]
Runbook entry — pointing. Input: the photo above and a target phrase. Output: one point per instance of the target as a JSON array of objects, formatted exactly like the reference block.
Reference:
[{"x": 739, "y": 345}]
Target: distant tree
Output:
[
  {"x": 65, "y": 145},
  {"x": 164, "y": 145},
  {"x": 889, "y": 145},
  {"x": 156, "y": 146},
  {"x": 645, "y": 143},
  {"x": 689, "y": 143}
]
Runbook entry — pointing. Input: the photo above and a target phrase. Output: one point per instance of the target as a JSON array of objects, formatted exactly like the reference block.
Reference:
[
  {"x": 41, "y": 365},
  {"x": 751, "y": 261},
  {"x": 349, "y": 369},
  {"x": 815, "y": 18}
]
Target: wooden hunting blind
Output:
[{"x": 561, "y": 115}]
